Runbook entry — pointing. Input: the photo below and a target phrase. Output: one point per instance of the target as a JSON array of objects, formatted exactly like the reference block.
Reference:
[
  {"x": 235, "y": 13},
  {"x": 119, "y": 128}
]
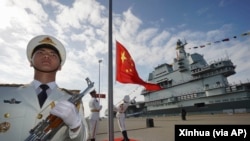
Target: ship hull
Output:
[
  {"x": 226, "y": 107},
  {"x": 233, "y": 101}
]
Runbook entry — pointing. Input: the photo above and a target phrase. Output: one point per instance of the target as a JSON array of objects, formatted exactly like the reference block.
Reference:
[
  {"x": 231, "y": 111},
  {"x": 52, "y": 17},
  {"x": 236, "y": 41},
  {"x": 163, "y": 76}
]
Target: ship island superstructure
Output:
[{"x": 193, "y": 84}]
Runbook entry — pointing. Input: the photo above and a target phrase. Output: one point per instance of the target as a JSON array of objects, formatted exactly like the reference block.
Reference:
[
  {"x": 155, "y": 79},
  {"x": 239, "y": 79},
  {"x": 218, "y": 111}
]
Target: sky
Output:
[{"x": 149, "y": 29}]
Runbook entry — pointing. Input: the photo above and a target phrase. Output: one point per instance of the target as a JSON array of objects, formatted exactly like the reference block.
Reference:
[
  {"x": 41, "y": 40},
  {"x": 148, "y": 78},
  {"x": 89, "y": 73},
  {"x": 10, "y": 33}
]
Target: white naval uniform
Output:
[
  {"x": 94, "y": 116},
  {"x": 120, "y": 114},
  {"x": 23, "y": 116}
]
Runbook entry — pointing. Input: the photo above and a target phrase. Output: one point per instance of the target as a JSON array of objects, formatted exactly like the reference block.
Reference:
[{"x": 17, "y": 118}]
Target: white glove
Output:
[
  {"x": 115, "y": 108},
  {"x": 68, "y": 113},
  {"x": 133, "y": 100}
]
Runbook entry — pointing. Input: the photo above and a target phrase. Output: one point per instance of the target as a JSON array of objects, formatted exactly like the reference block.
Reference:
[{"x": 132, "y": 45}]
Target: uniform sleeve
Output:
[
  {"x": 82, "y": 133},
  {"x": 74, "y": 135},
  {"x": 122, "y": 108}
]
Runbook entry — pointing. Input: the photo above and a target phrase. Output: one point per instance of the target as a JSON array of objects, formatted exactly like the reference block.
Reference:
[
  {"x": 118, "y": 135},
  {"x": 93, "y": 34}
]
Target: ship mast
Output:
[{"x": 180, "y": 48}]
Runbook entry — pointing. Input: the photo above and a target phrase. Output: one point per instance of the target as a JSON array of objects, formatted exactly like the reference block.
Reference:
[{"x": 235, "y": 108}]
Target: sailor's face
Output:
[
  {"x": 46, "y": 60},
  {"x": 93, "y": 95}
]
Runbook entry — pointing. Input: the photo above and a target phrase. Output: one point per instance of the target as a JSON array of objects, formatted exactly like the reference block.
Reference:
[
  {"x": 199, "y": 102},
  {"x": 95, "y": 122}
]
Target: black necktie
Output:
[{"x": 42, "y": 96}]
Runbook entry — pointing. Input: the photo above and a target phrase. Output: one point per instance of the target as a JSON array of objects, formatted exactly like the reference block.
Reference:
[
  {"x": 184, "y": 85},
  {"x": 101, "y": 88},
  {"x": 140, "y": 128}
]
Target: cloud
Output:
[
  {"x": 82, "y": 26},
  {"x": 127, "y": 21}
]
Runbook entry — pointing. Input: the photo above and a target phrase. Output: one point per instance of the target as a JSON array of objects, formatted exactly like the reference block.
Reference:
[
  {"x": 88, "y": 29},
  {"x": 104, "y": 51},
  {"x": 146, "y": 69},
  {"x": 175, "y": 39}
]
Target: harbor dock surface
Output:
[{"x": 163, "y": 128}]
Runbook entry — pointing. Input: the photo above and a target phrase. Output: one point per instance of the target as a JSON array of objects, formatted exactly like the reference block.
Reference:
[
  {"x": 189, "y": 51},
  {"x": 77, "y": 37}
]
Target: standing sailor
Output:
[
  {"x": 95, "y": 108},
  {"x": 120, "y": 114},
  {"x": 183, "y": 114},
  {"x": 23, "y": 108}
]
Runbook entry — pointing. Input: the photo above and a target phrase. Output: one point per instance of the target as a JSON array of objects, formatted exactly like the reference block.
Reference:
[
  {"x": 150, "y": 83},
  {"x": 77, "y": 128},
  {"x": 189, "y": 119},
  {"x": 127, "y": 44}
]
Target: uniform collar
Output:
[{"x": 37, "y": 83}]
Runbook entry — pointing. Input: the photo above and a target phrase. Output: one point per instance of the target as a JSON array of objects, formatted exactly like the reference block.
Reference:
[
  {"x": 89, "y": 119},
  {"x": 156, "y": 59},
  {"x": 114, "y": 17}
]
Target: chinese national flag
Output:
[{"x": 126, "y": 71}]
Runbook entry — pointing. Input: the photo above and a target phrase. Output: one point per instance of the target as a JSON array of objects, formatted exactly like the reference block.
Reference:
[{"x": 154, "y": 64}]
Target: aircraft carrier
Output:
[{"x": 192, "y": 84}]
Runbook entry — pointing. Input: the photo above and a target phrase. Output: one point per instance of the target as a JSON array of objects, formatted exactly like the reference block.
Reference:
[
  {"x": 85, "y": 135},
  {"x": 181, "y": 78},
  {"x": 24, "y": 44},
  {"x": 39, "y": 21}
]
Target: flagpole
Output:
[
  {"x": 100, "y": 60},
  {"x": 110, "y": 78}
]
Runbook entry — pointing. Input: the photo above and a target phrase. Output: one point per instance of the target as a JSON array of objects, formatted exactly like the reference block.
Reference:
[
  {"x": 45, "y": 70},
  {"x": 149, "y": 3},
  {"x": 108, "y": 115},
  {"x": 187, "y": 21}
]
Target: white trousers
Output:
[
  {"x": 93, "y": 127},
  {"x": 121, "y": 123}
]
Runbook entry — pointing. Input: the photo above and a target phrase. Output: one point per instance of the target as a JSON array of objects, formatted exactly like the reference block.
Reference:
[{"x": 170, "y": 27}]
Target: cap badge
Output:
[{"x": 47, "y": 40}]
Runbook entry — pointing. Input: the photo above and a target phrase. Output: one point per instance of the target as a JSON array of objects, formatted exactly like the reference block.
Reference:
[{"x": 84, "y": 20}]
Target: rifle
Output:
[{"x": 48, "y": 127}]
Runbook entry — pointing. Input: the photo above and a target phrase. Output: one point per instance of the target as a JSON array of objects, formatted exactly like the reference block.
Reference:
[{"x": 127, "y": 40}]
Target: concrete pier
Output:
[{"x": 163, "y": 129}]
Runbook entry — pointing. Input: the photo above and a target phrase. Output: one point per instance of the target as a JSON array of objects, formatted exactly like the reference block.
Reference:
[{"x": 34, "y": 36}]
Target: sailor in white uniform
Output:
[
  {"x": 120, "y": 114},
  {"x": 95, "y": 108},
  {"x": 20, "y": 108}
]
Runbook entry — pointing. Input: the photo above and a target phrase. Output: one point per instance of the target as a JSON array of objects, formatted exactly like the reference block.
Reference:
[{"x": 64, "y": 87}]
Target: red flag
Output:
[{"x": 126, "y": 71}]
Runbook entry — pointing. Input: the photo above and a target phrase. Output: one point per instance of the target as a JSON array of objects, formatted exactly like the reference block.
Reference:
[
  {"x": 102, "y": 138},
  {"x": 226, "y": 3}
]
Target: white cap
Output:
[
  {"x": 126, "y": 98},
  {"x": 46, "y": 39}
]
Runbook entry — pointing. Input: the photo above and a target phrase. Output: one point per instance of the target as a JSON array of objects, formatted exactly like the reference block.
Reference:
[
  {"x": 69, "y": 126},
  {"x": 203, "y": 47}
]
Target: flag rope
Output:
[
  {"x": 219, "y": 41},
  {"x": 128, "y": 94}
]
